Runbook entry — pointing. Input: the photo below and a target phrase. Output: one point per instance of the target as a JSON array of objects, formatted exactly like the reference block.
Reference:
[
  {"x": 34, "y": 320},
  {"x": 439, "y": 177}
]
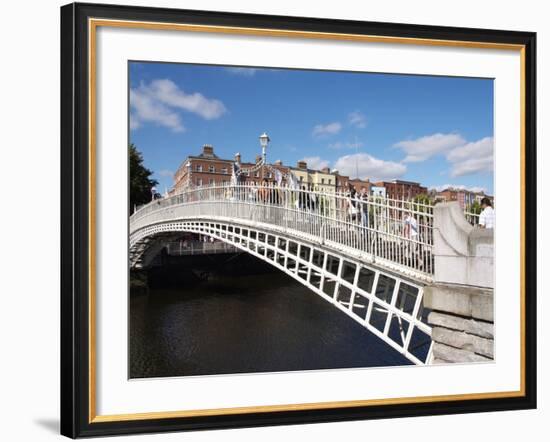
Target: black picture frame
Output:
[{"x": 75, "y": 220}]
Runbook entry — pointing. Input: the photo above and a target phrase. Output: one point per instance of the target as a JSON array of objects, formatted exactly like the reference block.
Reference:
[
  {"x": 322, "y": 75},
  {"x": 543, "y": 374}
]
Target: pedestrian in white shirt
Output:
[
  {"x": 413, "y": 251},
  {"x": 487, "y": 215}
]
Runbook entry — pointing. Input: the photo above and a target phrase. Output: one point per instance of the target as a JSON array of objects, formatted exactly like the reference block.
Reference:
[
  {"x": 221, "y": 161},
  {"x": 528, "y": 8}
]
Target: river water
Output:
[{"x": 244, "y": 323}]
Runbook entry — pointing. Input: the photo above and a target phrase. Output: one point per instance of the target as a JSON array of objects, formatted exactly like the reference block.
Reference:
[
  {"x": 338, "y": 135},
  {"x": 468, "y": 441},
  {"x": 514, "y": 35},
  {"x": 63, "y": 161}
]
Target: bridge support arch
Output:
[{"x": 388, "y": 305}]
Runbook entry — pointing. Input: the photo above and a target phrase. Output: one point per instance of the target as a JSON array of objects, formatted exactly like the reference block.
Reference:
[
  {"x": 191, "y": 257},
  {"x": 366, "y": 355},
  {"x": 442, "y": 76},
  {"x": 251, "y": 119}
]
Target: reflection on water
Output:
[{"x": 243, "y": 324}]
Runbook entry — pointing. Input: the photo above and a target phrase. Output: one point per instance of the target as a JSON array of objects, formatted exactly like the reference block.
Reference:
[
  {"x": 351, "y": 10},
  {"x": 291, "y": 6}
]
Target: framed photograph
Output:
[{"x": 273, "y": 220}]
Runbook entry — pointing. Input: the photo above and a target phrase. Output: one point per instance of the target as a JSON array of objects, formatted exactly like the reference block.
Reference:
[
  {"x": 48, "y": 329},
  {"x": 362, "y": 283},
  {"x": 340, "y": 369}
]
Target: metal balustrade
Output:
[
  {"x": 387, "y": 305},
  {"x": 182, "y": 248},
  {"x": 397, "y": 234}
]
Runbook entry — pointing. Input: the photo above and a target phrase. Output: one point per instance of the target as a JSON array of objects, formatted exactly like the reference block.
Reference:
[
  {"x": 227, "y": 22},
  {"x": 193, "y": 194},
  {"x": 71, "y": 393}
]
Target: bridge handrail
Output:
[
  {"x": 373, "y": 200},
  {"x": 396, "y": 230}
]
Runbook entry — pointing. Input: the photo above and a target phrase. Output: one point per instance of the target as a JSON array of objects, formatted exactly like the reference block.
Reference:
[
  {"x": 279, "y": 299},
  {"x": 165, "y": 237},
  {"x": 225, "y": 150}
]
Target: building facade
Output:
[
  {"x": 203, "y": 169},
  {"x": 465, "y": 198},
  {"x": 208, "y": 169},
  {"x": 359, "y": 185},
  {"x": 399, "y": 189}
]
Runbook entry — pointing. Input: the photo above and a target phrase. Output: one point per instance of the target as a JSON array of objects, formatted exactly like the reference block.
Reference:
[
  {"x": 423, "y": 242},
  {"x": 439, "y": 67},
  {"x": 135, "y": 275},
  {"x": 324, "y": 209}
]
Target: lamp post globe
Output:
[{"x": 264, "y": 141}]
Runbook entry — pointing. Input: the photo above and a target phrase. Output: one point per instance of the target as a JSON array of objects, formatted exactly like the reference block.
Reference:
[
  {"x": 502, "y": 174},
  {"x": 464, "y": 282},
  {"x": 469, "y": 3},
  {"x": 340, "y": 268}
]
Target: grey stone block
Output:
[
  {"x": 464, "y": 341},
  {"x": 471, "y": 326},
  {"x": 471, "y": 302},
  {"x": 443, "y": 354}
]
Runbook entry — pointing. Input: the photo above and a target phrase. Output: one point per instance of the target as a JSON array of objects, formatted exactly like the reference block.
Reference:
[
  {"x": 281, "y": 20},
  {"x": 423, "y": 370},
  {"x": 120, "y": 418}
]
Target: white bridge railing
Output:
[{"x": 399, "y": 232}]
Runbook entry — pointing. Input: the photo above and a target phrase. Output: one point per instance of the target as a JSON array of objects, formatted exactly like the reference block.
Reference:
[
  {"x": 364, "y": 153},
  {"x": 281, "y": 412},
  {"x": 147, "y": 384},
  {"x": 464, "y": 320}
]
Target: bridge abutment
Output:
[{"x": 461, "y": 297}]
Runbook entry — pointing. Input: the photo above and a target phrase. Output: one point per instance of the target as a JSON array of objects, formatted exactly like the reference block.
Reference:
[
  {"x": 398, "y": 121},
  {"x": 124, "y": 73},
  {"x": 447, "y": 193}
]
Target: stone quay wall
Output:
[{"x": 461, "y": 299}]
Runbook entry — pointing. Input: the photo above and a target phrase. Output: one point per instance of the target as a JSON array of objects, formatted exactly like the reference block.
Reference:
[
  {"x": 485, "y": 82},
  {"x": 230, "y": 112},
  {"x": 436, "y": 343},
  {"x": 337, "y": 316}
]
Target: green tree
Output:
[
  {"x": 140, "y": 181},
  {"x": 475, "y": 208},
  {"x": 422, "y": 201}
]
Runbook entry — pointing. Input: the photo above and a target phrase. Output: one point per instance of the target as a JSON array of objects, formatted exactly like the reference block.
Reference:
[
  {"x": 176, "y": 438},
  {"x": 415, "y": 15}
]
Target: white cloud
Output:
[
  {"x": 344, "y": 145},
  {"x": 369, "y": 167},
  {"x": 326, "y": 129},
  {"x": 145, "y": 108},
  {"x": 357, "y": 119},
  {"x": 425, "y": 147},
  {"x": 472, "y": 157},
  {"x": 460, "y": 187},
  {"x": 315, "y": 162},
  {"x": 158, "y": 102},
  {"x": 245, "y": 72}
]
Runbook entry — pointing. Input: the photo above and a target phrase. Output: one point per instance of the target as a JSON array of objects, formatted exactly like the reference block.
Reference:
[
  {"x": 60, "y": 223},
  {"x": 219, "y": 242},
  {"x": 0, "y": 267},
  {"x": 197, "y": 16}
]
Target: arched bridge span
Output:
[{"x": 385, "y": 299}]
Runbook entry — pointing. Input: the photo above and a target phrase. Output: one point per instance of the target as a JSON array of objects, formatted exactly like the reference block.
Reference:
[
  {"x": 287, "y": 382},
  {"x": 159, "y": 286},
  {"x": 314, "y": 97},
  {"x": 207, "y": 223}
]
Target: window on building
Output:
[
  {"x": 257, "y": 174},
  {"x": 199, "y": 181},
  {"x": 270, "y": 175},
  {"x": 211, "y": 169},
  {"x": 224, "y": 170},
  {"x": 301, "y": 178},
  {"x": 322, "y": 181},
  {"x": 198, "y": 168},
  {"x": 211, "y": 181},
  {"x": 329, "y": 181}
]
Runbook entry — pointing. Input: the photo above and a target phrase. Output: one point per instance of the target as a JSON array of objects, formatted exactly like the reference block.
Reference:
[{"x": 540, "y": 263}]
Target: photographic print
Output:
[
  {"x": 276, "y": 220},
  {"x": 293, "y": 219}
]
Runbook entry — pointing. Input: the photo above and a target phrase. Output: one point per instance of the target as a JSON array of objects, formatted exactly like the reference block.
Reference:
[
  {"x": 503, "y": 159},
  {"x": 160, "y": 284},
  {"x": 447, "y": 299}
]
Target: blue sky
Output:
[{"x": 435, "y": 130}]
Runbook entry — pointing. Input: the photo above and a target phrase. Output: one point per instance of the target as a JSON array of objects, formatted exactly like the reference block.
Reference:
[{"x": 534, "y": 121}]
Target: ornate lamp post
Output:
[{"x": 264, "y": 141}]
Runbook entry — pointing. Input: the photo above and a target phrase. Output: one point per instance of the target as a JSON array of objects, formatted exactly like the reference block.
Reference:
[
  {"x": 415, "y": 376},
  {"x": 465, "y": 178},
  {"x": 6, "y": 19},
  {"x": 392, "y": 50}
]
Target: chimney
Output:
[
  {"x": 325, "y": 170},
  {"x": 238, "y": 158},
  {"x": 301, "y": 164},
  {"x": 208, "y": 150}
]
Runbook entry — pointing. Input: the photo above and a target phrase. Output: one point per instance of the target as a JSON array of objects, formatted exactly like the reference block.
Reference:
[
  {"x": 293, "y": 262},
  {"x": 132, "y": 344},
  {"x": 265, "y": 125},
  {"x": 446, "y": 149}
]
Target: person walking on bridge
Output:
[
  {"x": 487, "y": 216},
  {"x": 414, "y": 255}
]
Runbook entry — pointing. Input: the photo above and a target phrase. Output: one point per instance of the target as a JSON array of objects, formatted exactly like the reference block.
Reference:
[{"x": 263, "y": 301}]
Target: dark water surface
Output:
[{"x": 242, "y": 324}]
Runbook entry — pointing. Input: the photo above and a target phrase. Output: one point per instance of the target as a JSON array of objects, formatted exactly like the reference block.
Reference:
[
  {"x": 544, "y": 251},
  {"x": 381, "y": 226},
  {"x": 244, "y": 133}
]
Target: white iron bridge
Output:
[{"x": 368, "y": 256}]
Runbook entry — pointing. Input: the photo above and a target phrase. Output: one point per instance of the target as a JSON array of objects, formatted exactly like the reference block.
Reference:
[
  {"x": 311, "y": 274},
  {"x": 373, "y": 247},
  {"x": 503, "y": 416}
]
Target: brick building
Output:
[
  {"x": 203, "y": 169},
  {"x": 399, "y": 189},
  {"x": 207, "y": 168},
  {"x": 342, "y": 182},
  {"x": 359, "y": 185},
  {"x": 465, "y": 198}
]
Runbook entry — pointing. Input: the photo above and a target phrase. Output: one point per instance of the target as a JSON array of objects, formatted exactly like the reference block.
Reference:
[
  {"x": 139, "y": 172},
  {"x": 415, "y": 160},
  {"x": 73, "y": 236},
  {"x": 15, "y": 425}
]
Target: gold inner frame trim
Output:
[{"x": 93, "y": 24}]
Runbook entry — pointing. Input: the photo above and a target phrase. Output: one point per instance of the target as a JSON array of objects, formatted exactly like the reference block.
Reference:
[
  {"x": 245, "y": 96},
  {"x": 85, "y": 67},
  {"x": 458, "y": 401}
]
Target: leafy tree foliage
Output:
[
  {"x": 475, "y": 208},
  {"x": 140, "y": 181},
  {"x": 422, "y": 200}
]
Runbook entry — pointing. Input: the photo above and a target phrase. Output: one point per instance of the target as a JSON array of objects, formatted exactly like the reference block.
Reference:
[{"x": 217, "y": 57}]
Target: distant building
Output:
[
  {"x": 465, "y": 198},
  {"x": 322, "y": 180},
  {"x": 301, "y": 173},
  {"x": 399, "y": 189},
  {"x": 203, "y": 169},
  {"x": 359, "y": 185},
  {"x": 342, "y": 182},
  {"x": 207, "y": 168}
]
